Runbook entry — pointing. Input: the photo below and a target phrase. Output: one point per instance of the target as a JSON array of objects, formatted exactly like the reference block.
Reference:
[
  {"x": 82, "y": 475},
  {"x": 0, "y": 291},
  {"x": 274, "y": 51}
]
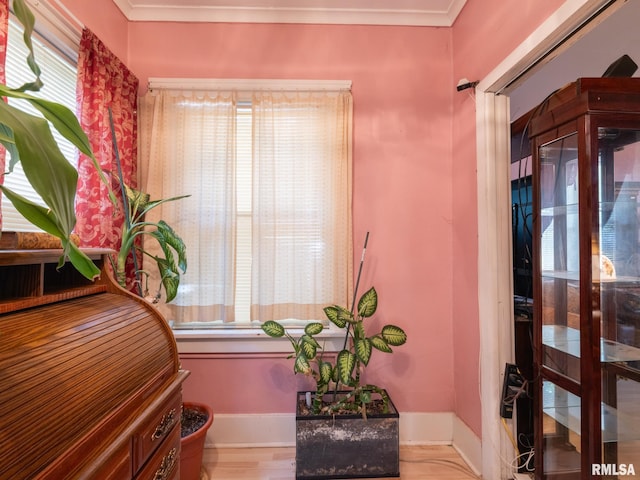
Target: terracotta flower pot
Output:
[{"x": 192, "y": 446}]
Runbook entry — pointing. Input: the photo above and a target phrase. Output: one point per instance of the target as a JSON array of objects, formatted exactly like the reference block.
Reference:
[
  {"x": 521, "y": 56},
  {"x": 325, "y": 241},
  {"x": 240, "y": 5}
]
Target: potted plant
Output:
[
  {"x": 172, "y": 259},
  {"x": 344, "y": 429},
  {"x": 29, "y": 140},
  {"x": 195, "y": 421}
]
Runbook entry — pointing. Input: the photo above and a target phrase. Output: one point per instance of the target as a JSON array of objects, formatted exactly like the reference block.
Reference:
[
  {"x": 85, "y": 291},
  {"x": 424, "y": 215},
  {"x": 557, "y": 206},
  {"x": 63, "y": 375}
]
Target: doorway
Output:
[{"x": 494, "y": 106}]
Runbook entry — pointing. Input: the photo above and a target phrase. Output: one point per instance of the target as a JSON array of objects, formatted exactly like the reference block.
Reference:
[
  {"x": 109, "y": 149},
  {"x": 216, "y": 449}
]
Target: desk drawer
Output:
[
  {"x": 164, "y": 464},
  {"x": 155, "y": 429}
]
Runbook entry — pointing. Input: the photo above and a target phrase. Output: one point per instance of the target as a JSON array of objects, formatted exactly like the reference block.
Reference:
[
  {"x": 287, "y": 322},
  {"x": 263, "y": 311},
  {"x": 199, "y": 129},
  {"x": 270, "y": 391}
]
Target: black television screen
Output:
[{"x": 521, "y": 210}]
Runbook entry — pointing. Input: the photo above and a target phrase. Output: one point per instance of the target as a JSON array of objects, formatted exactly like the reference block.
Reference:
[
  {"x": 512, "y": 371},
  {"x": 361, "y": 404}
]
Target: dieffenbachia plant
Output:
[{"x": 350, "y": 362}]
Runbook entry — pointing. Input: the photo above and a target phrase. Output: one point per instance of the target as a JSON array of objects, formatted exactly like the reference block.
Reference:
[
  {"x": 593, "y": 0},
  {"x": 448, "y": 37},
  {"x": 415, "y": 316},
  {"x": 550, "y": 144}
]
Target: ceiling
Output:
[
  {"x": 364, "y": 12},
  {"x": 614, "y": 36}
]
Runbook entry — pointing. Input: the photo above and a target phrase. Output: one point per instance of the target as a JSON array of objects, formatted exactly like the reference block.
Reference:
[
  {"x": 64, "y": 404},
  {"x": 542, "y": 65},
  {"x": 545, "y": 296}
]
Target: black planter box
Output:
[{"x": 347, "y": 446}]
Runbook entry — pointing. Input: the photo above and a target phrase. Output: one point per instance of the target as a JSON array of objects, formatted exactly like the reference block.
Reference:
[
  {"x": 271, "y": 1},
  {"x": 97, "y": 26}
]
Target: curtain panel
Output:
[
  {"x": 4, "y": 35},
  {"x": 188, "y": 148},
  {"x": 104, "y": 83},
  {"x": 302, "y": 175},
  {"x": 270, "y": 179}
]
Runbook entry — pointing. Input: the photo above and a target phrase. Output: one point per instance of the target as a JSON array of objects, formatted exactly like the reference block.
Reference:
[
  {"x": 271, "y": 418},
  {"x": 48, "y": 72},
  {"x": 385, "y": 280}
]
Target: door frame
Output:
[{"x": 495, "y": 284}]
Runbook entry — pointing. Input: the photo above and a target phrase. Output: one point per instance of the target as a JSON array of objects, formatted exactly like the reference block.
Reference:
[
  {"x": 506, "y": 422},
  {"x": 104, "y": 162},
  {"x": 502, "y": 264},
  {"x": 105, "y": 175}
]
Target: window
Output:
[
  {"x": 268, "y": 223},
  {"x": 59, "y": 77}
]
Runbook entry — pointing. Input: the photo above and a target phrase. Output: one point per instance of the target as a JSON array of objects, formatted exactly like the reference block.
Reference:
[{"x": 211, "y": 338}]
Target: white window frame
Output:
[
  {"x": 239, "y": 340},
  {"x": 59, "y": 40}
]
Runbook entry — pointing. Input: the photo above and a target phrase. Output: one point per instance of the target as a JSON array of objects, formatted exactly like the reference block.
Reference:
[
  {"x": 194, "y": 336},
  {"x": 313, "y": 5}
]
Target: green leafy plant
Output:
[
  {"x": 350, "y": 361},
  {"x": 173, "y": 260},
  {"x": 28, "y": 139},
  {"x": 174, "y": 257}
]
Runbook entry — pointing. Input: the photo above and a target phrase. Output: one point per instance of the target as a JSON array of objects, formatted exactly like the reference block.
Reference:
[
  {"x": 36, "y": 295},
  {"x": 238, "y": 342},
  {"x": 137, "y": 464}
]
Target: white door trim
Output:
[{"x": 495, "y": 288}]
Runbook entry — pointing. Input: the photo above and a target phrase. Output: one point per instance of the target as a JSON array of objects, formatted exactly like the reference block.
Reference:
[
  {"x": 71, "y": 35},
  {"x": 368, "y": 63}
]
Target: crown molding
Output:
[{"x": 307, "y": 15}]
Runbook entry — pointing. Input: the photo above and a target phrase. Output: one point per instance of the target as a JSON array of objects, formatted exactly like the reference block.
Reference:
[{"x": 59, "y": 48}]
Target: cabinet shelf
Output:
[
  {"x": 565, "y": 408},
  {"x": 39, "y": 281},
  {"x": 52, "y": 297},
  {"x": 567, "y": 340},
  {"x": 575, "y": 276}
]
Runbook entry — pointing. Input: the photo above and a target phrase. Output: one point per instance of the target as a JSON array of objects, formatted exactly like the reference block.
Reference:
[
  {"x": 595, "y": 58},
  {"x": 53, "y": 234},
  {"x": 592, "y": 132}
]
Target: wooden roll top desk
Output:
[{"x": 90, "y": 380}]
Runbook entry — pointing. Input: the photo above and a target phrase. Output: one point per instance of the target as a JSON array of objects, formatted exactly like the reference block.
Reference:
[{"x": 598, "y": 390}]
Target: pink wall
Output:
[
  {"x": 415, "y": 179},
  {"x": 402, "y": 186},
  {"x": 402, "y": 193},
  {"x": 104, "y": 19},
  {"x": 483, "y": 35}
]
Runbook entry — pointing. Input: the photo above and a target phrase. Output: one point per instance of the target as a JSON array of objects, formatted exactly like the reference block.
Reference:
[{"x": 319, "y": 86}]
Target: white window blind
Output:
[
  {"x": 305, "y": 259},
  {"x": 59, "y": 77}
]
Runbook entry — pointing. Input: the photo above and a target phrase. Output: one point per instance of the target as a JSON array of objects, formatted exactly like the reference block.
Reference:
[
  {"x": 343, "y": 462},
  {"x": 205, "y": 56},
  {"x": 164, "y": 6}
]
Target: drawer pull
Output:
[
  {"x": 165, "y": 425},
  {"x": 168, "y": 462}
]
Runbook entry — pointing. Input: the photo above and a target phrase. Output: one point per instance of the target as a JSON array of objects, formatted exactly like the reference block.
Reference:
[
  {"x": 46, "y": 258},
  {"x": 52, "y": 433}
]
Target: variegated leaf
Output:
[
  {"x": 345, "y": 364},
  {"x": 379, "y": 343},
  {"x": 326, "y": 372},
  {"x": 363, "y": 350},
  {"x": 308, "y": 346},
  {"x": 313, "y": 328},
  {"x": 273, "y": 329},
  {"x": 301, "y": 364},
  {"x": 394, "y": 335},
  {"x": 368, "y": 303}
]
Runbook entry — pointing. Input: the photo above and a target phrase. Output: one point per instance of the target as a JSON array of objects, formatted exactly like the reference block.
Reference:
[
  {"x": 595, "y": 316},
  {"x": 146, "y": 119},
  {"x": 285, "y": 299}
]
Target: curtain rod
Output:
[{"x": 248, "y": 84}]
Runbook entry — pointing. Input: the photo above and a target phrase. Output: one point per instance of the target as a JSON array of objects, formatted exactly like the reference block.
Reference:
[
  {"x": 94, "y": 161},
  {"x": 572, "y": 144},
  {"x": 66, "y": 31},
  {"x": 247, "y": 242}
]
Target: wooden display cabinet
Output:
[{"x": 586, "y": 194}]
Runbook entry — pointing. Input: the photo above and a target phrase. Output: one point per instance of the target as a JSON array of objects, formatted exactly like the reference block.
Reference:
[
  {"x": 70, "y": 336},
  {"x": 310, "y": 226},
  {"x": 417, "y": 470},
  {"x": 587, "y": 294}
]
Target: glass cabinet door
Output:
[
  {"x": 616, "y": 283},
  {"x": 586, "y": 222},
  {"x": 559, "y": 259}
]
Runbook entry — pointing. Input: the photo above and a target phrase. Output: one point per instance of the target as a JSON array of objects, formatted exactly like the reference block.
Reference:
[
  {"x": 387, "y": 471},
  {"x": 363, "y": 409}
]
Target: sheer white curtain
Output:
[
  {"x": 187, "y": 143},
  {"x": 302, "y": 175}
]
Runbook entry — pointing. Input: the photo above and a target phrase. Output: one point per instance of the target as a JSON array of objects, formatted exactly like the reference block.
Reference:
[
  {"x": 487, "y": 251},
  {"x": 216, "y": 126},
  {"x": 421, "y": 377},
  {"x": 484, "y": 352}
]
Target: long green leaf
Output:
[
  {"x": 44, "y": 165},
  {"x": 27, "y": 19},
  {"x": 38, "y": 215},
  {"x": 44, "y": 219},
  {"x": 172, "y": 239},
  {"x": 63, "y": 119},
  {"x": 81, "y": 261},
  {"x": 170, "y": 279},
  {"x": 7, "y": 140}
]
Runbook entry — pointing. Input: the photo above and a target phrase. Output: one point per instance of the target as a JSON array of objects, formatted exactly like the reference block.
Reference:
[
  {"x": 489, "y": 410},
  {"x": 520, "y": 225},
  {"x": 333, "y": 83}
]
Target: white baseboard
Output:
[
  {"x": 277, "y": 430},
  {"x": 252, "y": 430},
  {"x": 468, "y": 445}
]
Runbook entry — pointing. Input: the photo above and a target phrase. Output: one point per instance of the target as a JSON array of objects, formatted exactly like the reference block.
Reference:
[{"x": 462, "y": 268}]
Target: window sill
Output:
[{"x": 248, "y": 341}]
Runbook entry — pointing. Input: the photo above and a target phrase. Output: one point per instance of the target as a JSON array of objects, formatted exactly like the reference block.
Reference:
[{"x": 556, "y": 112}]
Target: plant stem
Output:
[
  {"x": 125, "y": 202},
  {"x": 353, "y": 306}
]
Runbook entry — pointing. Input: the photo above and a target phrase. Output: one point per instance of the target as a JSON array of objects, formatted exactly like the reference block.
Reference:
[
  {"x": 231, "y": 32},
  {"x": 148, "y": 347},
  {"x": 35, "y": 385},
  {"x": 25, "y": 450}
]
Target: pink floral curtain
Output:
[
  {"x": 104, "y": 83},
  {"x": 4, "y": 34}
]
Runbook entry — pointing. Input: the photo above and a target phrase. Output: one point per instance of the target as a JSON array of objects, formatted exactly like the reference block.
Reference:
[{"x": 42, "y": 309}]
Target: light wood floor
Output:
[{"x": 416, "y": 463}]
